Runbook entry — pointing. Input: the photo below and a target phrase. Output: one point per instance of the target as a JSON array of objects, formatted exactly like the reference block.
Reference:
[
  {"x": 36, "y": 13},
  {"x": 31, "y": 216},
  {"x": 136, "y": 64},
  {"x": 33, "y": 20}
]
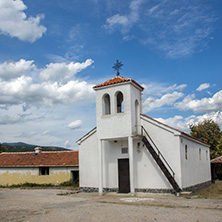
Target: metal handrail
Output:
[{"x": 159, "y": 153}]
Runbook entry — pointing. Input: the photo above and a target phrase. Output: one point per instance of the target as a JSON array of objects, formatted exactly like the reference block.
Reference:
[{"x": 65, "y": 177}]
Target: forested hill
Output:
[{"x": 24, "y": 147}]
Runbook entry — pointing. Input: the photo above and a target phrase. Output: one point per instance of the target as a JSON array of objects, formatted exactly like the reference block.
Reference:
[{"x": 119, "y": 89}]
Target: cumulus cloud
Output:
[
  {"x": 182, "y": 123},
  {"x": 168, "y": 99},
  {"x": 178, "y": 122},
  {"x": 75, "y": 124},
  {"x": 15, "y": 23},
  {"x": 203, "y": 86},
  {"x": 213, "y": 103},
  {"x": 63, "y": 71},
  {"x": 11, "y": 69},
  {"x": 22, "y": 89}
]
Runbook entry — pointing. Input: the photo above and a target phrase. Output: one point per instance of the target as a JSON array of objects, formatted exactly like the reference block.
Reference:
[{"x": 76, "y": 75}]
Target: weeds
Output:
[
  {"x": 36, "y": 185},
  {"x": 213, "y": 191}
]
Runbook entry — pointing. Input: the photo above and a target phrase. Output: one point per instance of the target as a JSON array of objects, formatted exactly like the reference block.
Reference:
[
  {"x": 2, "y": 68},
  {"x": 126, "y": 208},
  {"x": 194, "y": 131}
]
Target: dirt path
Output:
[{"x": 52, "y": 205}]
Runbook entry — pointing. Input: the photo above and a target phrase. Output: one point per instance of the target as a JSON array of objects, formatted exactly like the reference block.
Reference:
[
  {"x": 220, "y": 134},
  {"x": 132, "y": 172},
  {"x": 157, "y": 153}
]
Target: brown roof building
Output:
[
  {"x": 33, "y": 159},
  {"x": 117, "y": 80},
  {"x": 39, "y": 167},
  {"x": 217, "y": 160}
]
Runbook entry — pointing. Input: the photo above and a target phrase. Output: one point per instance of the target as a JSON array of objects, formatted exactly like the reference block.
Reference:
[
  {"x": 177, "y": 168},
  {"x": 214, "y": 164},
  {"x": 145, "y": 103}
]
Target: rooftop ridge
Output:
[
  {"x": 175, "y": 129},
  {"x": 28, "y": 152},
  {"x": 116, "y": 80}
]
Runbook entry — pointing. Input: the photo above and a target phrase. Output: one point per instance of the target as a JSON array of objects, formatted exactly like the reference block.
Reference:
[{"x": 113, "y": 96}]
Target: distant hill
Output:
[{"x": 24, "y": 147}]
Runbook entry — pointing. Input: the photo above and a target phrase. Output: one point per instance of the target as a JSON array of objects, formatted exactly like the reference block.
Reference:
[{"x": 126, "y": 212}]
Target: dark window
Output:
[
  {"x": 43, "y": 171},
  {"x": 186, "y": 156},
  {"x": 106, "y": 104},
  {"x": 124, "y": 150},
  {"x": 119, "y": 102},
  {"x": 75, "y": 176}
]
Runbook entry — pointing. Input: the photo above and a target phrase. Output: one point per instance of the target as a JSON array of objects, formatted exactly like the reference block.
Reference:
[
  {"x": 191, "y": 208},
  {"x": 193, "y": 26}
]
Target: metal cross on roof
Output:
[{"x": 117, "y": 66}]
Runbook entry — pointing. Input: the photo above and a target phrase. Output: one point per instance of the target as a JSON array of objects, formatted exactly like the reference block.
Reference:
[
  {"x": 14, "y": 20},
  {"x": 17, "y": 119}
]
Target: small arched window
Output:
[
  {"x": 136, "y": 113},
  {"x": 106, "y": 104},
  {"x": 119, "y": 102}
]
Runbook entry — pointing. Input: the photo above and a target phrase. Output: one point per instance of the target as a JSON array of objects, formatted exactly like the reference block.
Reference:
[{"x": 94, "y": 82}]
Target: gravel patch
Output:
[{"x": 49, "y": 205}]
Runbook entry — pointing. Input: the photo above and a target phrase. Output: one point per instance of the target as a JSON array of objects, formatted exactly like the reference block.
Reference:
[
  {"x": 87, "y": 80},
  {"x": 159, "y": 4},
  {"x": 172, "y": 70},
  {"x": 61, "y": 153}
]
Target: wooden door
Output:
[{"x": 124, "y": 178}]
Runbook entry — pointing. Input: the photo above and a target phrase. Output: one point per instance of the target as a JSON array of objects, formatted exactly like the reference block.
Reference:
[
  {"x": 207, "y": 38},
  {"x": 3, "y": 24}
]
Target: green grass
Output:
[
  {"x": 214, "y": 191},
  {"x": 49, "y": 185},
  {"x": 70, "y": 183}
]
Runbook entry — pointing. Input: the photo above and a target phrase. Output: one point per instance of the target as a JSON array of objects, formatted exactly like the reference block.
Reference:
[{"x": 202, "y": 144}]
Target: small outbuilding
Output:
[
  {"x": 38, "y": 167},
  {"x": 132, "y": 152},
  {"x": 216, "y": 168}
]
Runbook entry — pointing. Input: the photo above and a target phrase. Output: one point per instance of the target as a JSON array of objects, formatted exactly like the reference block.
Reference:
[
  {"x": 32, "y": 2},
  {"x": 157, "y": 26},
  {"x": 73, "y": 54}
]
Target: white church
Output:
[{"x": 130, "y": 152}]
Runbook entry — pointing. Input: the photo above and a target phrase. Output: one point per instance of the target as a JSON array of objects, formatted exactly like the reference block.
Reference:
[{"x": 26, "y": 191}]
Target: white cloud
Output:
[
  {"x": 203, "y": 86},
  {"x": 66, "y": 144},
  {"x": 22, "y": 89},
  {"x": 178, "y": 122},
  {"x": 11, "y": 69},
  {"x": 125, "y": 21},
  {"x": 117, "y": 20},
  {"x": 14, "y": 22},
  {"x": 158, "y": 89},
  {"x": 168, "y": 99},
  {"x": 176, "y": 28},
  {"x": 202, "y": 105},
  {"x": 13, "y": 119},
  {"x": 182, "y": 123},
  {"x": 45, "y": 132},
  {"x": 62, "y": 72},
  {"x": 174, "y": 87},
  {"x": 75, "y": 124},
  {"x": 135, "y": 9}
]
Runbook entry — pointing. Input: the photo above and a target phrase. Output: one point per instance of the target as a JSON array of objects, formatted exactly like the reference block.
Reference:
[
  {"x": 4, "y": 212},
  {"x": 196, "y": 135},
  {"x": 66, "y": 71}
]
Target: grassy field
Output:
[{"x": 213, "y": 191}]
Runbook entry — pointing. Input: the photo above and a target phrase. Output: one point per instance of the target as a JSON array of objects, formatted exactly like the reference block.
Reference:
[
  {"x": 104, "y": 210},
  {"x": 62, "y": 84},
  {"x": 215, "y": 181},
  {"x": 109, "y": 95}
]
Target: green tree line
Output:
[
  {"x": 3, "y": 148},
  {"x": 209, "y": 132}
]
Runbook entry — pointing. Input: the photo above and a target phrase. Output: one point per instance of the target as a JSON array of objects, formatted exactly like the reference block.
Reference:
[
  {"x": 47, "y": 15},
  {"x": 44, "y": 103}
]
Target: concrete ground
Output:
[{"x": 52, "y": 205}]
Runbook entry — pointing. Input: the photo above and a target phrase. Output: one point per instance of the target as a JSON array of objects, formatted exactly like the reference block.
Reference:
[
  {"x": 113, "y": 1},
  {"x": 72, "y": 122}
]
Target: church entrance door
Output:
[{"x": 124, "y": 178}]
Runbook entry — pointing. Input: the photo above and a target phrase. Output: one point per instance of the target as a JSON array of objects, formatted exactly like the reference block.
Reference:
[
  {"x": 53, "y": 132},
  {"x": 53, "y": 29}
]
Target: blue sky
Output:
[{"x": 53, "y": 52}]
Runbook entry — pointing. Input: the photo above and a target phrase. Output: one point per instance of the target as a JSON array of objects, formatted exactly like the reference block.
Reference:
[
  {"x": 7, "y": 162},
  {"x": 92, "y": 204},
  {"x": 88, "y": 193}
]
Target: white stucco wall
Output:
[
  {"x": 195, "y": 169},
  {"x": 146, "y": 172},
  {"x": 167, "y": 143},
  {"x": 116, "y": 125},
  {"x": 88, "y": 162},
  {"x": 148, "y": 175},
  {"x": 112, "y": 152}
]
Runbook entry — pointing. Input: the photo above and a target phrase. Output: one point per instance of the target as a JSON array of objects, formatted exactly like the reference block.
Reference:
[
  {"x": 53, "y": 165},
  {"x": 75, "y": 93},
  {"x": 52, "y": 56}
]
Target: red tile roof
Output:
[
  {"x": 25, "y": 159},
  {"x": 116, "y": 80},
  {"x": 217, "y": 160}
]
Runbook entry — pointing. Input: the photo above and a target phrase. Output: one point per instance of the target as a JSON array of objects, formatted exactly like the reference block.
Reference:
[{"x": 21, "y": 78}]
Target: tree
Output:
[
  {"x": 3, "y": 148},
  {"x": 209, "y": 132}
]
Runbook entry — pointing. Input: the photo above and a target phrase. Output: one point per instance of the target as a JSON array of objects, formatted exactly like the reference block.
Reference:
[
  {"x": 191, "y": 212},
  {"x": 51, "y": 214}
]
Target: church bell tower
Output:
[{"x": 118, "y": 107}]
